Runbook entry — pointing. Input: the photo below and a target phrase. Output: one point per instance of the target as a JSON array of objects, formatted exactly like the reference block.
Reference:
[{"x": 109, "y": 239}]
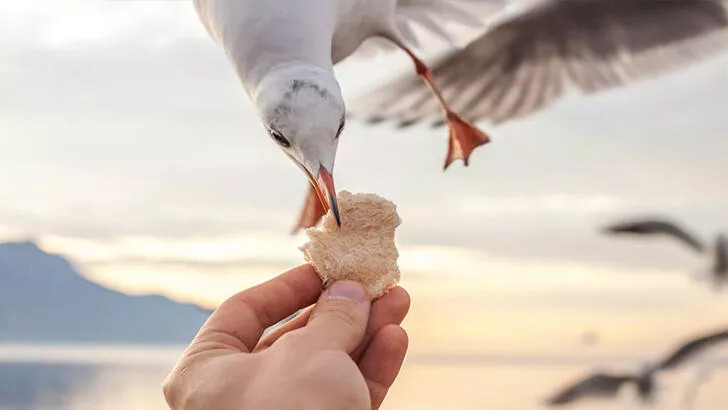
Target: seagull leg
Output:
[
  {"x": 312, "y": 211},
  {"x": 464, "y": 136}
]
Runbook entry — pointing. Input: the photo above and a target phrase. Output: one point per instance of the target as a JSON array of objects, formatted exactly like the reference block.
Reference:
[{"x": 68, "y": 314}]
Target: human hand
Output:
[{"x": 342, "y": 353}]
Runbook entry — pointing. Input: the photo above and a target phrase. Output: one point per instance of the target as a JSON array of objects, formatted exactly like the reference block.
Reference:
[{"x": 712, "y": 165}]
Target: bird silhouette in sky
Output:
[
  {"x": 716, "y": 273},
  {"x": 607, "y": 385}
]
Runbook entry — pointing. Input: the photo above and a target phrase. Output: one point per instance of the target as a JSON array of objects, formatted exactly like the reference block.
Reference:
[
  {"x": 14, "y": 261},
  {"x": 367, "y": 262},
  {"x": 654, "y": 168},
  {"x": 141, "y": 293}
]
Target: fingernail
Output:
[{"x": 349, "y": 290}]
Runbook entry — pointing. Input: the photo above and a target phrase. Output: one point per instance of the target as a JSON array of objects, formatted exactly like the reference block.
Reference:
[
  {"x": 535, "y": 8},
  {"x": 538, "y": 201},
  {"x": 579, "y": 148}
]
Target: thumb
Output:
[{"x": 339, "y": 319}]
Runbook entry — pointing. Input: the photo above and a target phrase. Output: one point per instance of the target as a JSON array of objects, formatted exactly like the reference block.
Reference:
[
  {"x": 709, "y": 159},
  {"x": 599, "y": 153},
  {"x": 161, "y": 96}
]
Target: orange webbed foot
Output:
[{"x": 464, "y": 138}]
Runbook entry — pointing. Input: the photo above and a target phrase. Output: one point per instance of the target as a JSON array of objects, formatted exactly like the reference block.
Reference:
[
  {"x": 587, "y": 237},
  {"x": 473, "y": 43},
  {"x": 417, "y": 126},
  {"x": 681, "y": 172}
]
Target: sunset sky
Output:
[{"x": 128, "y": 145}]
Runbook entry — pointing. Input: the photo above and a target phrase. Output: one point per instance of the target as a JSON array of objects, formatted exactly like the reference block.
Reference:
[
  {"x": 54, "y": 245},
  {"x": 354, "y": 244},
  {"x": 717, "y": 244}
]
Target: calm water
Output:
[{"x": 92, "y": 377}]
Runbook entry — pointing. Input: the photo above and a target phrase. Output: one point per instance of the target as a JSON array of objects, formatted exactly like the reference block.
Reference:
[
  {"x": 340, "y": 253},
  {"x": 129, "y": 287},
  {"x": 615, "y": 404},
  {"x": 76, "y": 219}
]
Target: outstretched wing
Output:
[
  {"x": 526, "y": 62},
  {"x": 596, "y": 385},
  {"x": 692, "y": 348},
  {"x": 721, "y": 257},
  {"x": 657, "y": 227}
]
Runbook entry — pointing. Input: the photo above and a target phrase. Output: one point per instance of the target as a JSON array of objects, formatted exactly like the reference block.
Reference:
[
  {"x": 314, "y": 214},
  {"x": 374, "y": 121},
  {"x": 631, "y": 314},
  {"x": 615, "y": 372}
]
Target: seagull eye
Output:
[{"x": 280, "y": 139}]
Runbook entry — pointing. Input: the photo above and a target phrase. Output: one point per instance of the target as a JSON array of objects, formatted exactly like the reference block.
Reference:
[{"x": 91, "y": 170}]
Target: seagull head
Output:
[{"x": 303, "y": 111}]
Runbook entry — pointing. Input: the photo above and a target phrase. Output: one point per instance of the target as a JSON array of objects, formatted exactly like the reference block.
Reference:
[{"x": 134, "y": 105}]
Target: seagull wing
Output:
[
  {"x": 525, "y": 62},
  {"x": 454, "y": 21},
  {"x": 440, "y": 17},
  {"x": 721, "y": 257},
  {"x": 595, "y": 385},
  {"x": 692, "y": 348},
  {"x": 657, "y": 227}
]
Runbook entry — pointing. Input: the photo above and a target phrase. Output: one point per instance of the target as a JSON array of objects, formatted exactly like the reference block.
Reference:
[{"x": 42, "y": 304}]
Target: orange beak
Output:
[{"x": 325, "y": 190}]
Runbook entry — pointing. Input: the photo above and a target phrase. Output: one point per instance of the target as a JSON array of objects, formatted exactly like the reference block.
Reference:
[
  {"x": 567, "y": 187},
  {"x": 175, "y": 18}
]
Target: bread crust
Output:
[{"x": 362, "y": 249}]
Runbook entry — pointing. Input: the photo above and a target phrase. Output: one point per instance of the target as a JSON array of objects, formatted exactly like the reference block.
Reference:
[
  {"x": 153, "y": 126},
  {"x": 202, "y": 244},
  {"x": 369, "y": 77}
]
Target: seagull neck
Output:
[
  {"x": 302, "y": 35},
  {"x": 280, "y": 77},
  {"x": 253, "y": 75},
  {"x": 296, "y": 66}
]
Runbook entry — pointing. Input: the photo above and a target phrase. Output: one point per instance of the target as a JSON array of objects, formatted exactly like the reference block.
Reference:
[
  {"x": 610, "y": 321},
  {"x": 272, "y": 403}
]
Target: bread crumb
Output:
[{"x": 362, "y": 249}]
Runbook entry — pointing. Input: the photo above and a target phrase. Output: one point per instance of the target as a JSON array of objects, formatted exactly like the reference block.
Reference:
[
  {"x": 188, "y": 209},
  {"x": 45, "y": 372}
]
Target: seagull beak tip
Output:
[
  {"x": 327, "y": 182},
  {"x": 335, "y": 208}
]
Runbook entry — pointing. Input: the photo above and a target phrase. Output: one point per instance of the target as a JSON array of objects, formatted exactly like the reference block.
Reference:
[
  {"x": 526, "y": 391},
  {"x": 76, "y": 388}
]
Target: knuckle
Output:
[
  {"x": 345, "y": 318},
  {"x": 169, "y": 390},
  {"x": 291, "y": 338}
]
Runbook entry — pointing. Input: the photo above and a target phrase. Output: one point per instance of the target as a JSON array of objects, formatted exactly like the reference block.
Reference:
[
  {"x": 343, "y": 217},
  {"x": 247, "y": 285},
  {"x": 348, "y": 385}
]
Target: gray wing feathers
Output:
[
  {"x": 524, "y": 64},
  {"x": 596, "y": 385},
  {"x": 657, "y": 227},
  {"x": 692, "y": 348}
]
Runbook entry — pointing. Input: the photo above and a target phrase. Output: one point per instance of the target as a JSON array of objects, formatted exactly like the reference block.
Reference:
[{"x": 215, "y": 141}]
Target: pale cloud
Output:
[
  {"x": 262, "y": 245},
  {"x": 78, "y": 23},
  {"x": 456, "y": 291},
  {"x": 8, "y": 234},
  {"x": 551, "y": 203}
]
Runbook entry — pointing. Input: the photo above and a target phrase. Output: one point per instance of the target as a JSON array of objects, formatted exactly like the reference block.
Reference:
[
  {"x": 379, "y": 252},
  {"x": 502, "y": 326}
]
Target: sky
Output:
[{"x": 128, "y": 145}]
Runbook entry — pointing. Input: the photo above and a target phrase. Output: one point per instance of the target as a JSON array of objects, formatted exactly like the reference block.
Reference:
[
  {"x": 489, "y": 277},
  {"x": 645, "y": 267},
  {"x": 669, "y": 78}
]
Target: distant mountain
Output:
[{"x": 44, "y": 299}]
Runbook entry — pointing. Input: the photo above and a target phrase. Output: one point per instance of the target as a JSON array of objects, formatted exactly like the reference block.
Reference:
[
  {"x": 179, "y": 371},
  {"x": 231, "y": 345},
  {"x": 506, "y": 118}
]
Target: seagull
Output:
[
  {"x": 607, "y": 385},
  {"x": 589, "y": 338},
  {"x": 717, "y": 273},
  {"x": 657, "y": 227},
  {"x": 601, "y": 385},
  {"x": 688, "y": 351},
  {"x": 526, "y": 54}
]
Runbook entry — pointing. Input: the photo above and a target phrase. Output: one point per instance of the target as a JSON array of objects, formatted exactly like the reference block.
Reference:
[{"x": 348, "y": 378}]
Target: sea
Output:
[{"x": 100, "y": 377}]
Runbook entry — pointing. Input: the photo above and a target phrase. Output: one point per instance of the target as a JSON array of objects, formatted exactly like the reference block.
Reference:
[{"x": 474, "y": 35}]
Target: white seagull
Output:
[
  {"x": 717, "y": 273},
  {"x": 529, "y": 52}
]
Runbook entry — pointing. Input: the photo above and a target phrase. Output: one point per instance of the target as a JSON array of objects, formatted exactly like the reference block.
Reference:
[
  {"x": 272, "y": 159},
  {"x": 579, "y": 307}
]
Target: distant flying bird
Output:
[
  {"x": 589, "y": 338},
  {"x": 657, "y": 227},
  {"x": 529, "y": 53},
  {"x": 690, "y": 349},
  {"x": 601, "y": 385},
  {"x": 606, "y": 385},
  {"x": 717, "y": 273}
]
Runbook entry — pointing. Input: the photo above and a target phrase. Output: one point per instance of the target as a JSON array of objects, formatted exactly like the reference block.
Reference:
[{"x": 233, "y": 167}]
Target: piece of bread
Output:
[{"x": 362, "y": 249}]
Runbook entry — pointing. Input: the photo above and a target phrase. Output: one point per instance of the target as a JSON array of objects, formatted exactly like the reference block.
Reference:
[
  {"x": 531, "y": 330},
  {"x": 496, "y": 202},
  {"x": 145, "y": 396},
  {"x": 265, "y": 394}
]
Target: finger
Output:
[
  {"x": 390, "y": 309},
  {"x": 240, "y": 320},
  {"x": 383, "y": 360},
  {"x": 295, "y": 323},
  {"x": 339, "y": 318}
]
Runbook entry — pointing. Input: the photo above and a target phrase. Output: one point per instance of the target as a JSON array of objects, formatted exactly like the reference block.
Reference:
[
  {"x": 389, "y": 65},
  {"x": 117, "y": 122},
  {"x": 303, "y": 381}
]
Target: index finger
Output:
[{"x": 241, "y": 320}]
